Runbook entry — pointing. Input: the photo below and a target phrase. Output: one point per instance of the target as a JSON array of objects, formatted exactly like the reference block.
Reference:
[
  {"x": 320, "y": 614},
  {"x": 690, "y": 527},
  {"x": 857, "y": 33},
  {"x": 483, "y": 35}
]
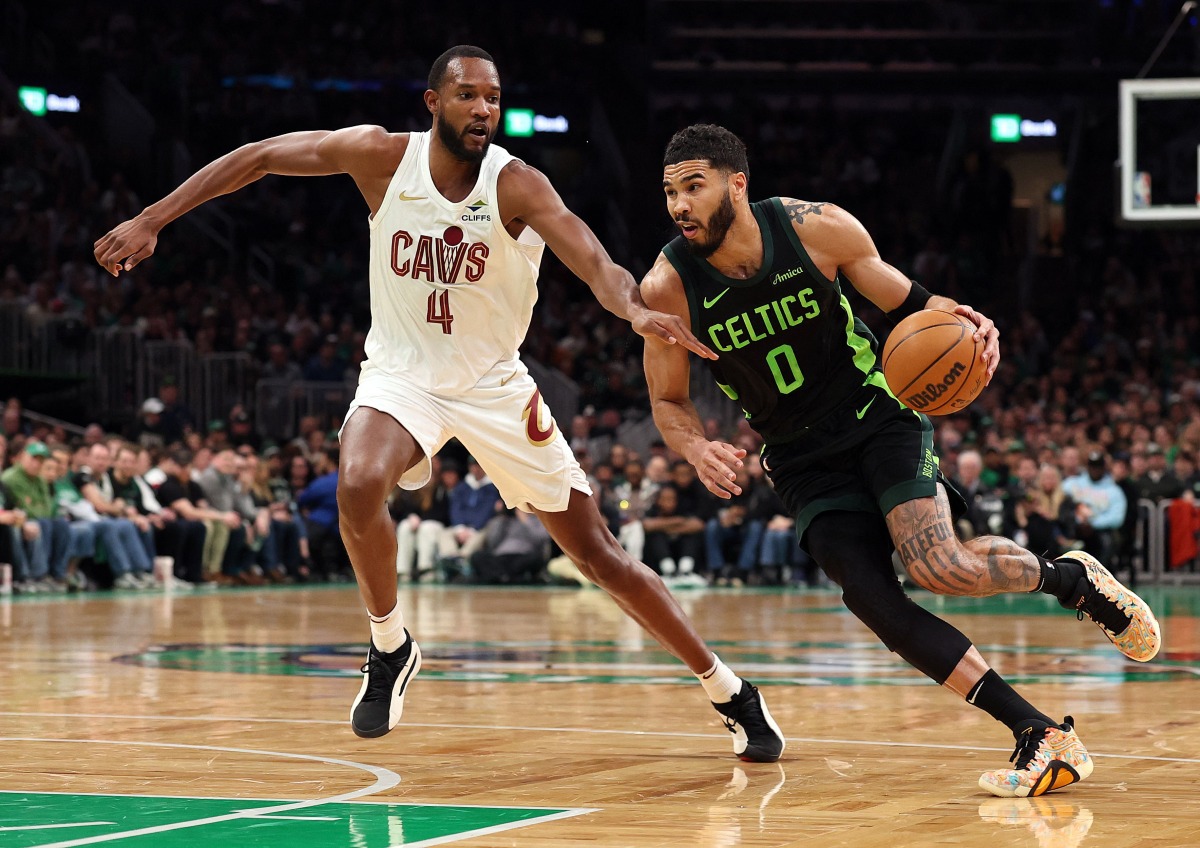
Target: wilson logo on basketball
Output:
[
  {"x": 439, "y": 259},
  {"x": 933, "y": 391}
]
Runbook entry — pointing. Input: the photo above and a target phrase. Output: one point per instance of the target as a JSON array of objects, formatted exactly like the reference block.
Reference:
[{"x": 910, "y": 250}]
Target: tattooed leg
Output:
[{"x": 936, "y": 560}]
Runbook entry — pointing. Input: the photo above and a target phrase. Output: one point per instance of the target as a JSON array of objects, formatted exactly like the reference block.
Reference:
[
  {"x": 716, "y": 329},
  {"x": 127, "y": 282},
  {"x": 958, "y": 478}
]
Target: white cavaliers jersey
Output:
[{"x": 452, "y": 293}]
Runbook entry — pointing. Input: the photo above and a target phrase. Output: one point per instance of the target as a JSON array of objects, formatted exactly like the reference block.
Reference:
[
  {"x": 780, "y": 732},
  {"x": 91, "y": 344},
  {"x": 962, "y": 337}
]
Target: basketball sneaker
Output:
[
  {"x": 380, "y": 701},
  {"x": 756, "y": 736},
  {"x": 1122, "y": 616},
  {"x": 1047, "y": 757}
]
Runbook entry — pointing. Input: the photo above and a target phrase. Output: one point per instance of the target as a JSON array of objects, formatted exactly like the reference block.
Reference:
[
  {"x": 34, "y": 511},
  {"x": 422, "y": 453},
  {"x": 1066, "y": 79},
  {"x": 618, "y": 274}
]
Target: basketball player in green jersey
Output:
[{"x": 762, "y": 284}]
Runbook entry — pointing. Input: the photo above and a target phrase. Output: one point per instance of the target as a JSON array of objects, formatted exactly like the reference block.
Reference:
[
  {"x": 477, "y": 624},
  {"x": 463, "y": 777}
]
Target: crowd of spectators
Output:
[
  {"x": 216, "y": 505},
  {"x": 1112, "y": 371}
]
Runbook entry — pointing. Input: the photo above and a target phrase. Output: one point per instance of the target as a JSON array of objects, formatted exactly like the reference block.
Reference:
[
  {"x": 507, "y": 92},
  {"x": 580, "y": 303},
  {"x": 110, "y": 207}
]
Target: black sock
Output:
[
  {"x": 1059, "y": 578},
  {"x": 999, "y": 700}
]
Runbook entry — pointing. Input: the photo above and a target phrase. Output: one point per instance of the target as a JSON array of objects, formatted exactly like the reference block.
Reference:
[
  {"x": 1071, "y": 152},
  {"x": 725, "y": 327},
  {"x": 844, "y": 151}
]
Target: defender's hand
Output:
[
  {"x": 670, "y": 329},
  {"x": 988, "y": 334},
  {"x": 126, "y": 245},
  {"x": 715, "y": 466}
]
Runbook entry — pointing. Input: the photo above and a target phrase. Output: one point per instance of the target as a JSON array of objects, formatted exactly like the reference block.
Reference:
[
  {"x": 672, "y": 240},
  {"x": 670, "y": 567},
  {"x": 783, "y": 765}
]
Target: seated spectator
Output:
[
  {"x": 1188, "y": 472},
  {"x": 82, "y": 543},
  {"x": 278, "y": 528},
  {"x": 176, "y": 491},
  {"x": 50, "y": 552},
  {"x": 1158, "y": 482},
  {"x": 603, "y": 483},
  {"x": 633, "y": 496},
  {"x": 22, "y": 531},
  {"x": 300, "y": 474},
  {"x": 734, "y": 531},
  {"x": 780, "y": 555},
  {"x": 326, "y": 366},
  {"x": 1100, "y": 509},
  {"x": 421, "y": 516},
  {"x": 694, "y": 499},
  {"x": 674, "y": 540},
  {"x": 516, "y": 548},
  {"x": 149, "y": 431},
  {"x": 117, "y": 543},
  {"x": 9, "y": 534},
  {"x": 1044, "y": 516},
  {"x": 473, "y": 502},
  {"x": 176, "y": 419},
  {"x": 241, "y": 430},
  {"x": 229, "y": 556},
  {"x": 985, "y": 501},
  {"x": 174, "y": 541},
  {"x": 318, "y": 505}
]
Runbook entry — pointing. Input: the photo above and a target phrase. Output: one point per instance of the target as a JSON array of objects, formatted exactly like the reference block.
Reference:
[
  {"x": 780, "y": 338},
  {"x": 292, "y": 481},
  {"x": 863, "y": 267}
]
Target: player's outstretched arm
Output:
[
  {"x": 353, "y": 150},
  {"x": 526, "y": 195},
  {"x": 834, "y": 234},
  {"x": 668, "y": 377}
]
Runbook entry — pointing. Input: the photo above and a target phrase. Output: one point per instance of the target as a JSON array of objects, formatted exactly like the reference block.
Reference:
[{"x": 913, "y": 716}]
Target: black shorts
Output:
[{"x": 870, "y": 455}]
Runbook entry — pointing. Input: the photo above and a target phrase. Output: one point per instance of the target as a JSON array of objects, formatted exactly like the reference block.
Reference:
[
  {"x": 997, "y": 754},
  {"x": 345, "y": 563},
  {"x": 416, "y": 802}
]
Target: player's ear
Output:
[
  {"x": 738, "y": 183},
  {"x": 431, "y": 101}
]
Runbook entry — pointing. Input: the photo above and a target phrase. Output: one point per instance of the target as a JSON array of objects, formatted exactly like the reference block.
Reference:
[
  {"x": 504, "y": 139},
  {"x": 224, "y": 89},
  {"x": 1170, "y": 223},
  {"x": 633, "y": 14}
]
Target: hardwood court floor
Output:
[{"x": 545, "y": 718}]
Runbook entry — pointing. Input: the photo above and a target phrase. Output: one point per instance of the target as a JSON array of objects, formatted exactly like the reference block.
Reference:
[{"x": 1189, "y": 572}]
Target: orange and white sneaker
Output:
[
  {"x": 1047, "y": 757},
  {"x": 1121, "y": 615}
]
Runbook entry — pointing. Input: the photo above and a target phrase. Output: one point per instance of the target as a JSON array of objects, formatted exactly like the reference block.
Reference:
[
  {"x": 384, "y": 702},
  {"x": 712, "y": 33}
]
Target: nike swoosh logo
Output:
[
  {"x": 863, "y": 411},
  {"x": 504, "y": 382},
  {"x": 710, "y": 303},
  {"x": 404, "y": 196}
]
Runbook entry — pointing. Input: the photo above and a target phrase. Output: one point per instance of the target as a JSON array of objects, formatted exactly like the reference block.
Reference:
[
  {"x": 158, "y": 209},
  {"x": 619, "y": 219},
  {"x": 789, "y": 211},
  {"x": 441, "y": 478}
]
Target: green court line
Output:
[{"x": 42, "y": 819}]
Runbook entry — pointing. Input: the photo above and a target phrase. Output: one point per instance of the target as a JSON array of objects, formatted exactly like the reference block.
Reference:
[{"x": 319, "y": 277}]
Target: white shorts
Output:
[{"x": 503, "y": 422}]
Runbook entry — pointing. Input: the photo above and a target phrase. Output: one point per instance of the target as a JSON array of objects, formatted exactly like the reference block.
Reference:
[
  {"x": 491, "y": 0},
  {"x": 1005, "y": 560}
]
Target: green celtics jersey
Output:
[{"x": 791, "y": 351}]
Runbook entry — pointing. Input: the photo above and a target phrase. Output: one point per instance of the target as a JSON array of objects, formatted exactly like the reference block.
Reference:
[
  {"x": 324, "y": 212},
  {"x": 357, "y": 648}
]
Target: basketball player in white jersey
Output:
[{"x": 457, "y": 232}]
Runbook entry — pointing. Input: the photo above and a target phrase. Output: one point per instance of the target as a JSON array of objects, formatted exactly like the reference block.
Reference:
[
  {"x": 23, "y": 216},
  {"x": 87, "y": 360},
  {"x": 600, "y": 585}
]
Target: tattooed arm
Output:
[{"x": 837, "y": 241}]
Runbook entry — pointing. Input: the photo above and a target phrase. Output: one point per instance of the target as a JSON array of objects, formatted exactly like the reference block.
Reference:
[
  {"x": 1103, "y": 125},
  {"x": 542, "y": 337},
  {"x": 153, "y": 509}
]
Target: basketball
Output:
[{"x": 931, "y": 362}]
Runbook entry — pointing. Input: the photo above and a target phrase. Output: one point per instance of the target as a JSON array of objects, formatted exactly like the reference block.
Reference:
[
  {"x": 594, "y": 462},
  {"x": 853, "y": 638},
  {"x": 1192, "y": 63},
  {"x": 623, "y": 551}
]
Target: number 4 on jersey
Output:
[{"x": 437, "y": 310}]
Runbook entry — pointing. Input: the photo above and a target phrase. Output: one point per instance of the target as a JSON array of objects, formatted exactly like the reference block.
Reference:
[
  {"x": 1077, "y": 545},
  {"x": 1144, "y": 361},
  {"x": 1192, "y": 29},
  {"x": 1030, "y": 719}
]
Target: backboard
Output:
[{"x": 1158, "y": 170}]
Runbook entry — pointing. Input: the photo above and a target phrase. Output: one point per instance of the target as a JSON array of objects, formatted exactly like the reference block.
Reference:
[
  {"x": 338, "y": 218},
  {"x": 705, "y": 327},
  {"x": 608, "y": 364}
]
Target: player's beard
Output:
[
  {"x": 453, "y": 141},
  {"x": 715, "y": 230}
]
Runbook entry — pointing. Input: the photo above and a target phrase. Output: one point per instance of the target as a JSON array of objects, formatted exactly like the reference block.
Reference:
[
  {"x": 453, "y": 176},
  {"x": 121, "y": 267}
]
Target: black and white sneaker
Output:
[
  {"x": 756, "y": 736},
  {"x": 380, "y": 701}
]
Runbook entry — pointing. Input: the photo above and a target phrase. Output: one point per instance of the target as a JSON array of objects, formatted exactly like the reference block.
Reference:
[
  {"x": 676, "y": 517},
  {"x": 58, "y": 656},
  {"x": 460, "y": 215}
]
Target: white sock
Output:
[
  {"x": 686, "y": 564},
  {"x": 387, "y": 632},
  {"x": 667, "y": 566},
  {"x": 720, "y": 682}
]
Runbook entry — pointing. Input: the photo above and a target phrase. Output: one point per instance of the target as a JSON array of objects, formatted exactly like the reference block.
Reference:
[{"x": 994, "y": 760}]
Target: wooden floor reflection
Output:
[{"x": 550, "y": 698}]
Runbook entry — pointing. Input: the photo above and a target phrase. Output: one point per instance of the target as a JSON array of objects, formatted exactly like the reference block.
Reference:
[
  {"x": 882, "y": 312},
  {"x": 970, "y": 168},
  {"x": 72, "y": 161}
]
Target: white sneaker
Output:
[
  {"x": 127, "y": 582},
  {"x": 178, "y": 584}
]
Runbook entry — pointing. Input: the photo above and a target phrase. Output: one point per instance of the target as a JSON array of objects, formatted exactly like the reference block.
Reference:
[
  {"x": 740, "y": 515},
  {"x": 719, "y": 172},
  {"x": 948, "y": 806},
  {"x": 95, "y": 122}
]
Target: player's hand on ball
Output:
[
  {"x": 670, "y": 329},
  {"x": 716, "y": 465},
  {"x": 126, "y": 245},
  {"x": 988, "y": 334}
]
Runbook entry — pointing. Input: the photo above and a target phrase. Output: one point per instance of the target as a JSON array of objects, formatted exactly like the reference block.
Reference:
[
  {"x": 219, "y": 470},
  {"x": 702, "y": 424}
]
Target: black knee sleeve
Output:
[{"x": 855, "y": 550}]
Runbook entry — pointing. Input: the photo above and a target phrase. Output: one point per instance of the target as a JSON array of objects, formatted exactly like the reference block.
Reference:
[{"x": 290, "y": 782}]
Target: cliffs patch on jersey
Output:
[{"x": 443, "y": 258}]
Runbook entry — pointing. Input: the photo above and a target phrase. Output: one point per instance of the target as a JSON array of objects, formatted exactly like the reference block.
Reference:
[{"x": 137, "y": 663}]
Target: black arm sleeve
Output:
[{"x": 915, "y": 302}]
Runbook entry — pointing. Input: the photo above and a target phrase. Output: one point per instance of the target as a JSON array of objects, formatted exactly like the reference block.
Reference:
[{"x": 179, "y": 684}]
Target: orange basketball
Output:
[{"x": 931, "y": 362}]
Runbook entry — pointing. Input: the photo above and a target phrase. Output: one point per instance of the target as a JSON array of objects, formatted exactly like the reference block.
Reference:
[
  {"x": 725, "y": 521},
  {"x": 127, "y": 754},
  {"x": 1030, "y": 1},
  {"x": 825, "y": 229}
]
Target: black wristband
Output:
[{"x": 915, "y": 302}]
